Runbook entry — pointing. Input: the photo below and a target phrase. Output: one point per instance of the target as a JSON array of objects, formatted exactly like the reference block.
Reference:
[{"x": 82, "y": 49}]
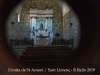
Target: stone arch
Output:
[{"x": 41, "y": 5}]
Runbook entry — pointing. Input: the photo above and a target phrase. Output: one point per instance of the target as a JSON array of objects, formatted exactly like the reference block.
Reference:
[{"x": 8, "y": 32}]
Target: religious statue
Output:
[
  {"x": 41, "y": 31},
  {"x": 41, "y": 26},
  {"x": 33, "y": 31}
]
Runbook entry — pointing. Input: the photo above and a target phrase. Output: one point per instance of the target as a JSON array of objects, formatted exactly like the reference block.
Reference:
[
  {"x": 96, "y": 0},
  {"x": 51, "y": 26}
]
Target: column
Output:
[
  {"x": 31, "y": 34},
  {"x": 51, "y": 33},
  {"x": 51, "y": 23},
  {"x": 46, "y": 25},
  {"x": 37, "y": 23},
  {"x": 34, "y": 25}
]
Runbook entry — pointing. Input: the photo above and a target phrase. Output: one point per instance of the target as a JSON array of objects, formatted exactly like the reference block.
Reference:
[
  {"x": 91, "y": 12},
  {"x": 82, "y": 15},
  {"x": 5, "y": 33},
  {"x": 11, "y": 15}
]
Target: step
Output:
[
  {"x": 44, "y": 56},
  {"x": 49, "y": 48},
  {"x": 46, "y": 49},
  {"x": 47, "y": 62},
  {"x": 46, "y": 52}
]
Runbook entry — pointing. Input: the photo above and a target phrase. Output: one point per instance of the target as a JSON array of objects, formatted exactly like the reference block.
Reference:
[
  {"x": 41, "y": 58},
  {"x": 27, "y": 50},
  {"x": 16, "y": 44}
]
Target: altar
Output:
[
  {"x": 41, "y": 26},
  {"x": 42, "y": 40}
]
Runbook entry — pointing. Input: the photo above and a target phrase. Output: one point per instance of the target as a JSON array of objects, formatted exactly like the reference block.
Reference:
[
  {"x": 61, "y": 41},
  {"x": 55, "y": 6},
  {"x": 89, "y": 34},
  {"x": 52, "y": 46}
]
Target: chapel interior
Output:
[{"x": 43, "y": 32}]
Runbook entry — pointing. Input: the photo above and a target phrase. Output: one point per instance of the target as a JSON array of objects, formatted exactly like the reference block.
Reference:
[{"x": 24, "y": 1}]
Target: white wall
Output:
[
  {"x": 64, "y": 6},
  {"x": 18, "y": 8}
]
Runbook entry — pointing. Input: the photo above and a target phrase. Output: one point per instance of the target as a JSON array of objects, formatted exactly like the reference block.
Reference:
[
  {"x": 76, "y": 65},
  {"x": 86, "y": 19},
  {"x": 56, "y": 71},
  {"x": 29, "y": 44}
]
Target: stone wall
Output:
[
  {"x": 13, "y": 30},
  {"x": 18, "y": 30},
  {"x": 71, "y": 31},
  {"x": 41, "y": 5}
]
